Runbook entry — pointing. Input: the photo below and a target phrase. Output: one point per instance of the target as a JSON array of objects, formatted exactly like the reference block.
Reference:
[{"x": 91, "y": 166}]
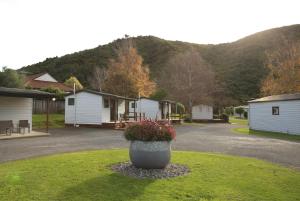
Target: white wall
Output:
[
  {"x": 46, "y": 77},
  {"x": 121, "y": 108},
  {"x": 202, "y": 112},
  {"x": 88, "y": 109},
  {"x": 16, "y": 108},
  {"x": 288, "y": 120},
  {"x": 149, "y": 107}
]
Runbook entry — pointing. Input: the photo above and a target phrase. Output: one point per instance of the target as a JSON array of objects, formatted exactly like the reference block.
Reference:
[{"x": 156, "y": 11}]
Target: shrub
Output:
[
  {"x": 239, "y": 111},
  {"x": 228, "y": 111},
  {"x": 225, "y": 117},
  {"x": 150, "y": 131}
]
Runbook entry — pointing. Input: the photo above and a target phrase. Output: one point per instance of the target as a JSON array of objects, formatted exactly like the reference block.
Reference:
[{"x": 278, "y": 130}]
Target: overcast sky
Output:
[{"x": 32, "y": 30}]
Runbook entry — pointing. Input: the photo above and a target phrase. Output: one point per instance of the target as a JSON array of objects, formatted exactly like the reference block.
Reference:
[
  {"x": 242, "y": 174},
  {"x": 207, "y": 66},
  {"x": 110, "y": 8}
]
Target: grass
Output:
[
  {"x": 87, "y": 176},
  {"x": 55, "y": 121},
  {"x": 238, "y": 121},
  {"x": 276, "y": 135}
]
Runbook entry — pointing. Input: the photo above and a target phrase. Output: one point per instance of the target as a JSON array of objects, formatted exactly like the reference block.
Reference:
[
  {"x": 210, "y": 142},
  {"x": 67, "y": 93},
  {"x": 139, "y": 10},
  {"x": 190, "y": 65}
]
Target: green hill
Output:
[{"x": 238, "y": 65}]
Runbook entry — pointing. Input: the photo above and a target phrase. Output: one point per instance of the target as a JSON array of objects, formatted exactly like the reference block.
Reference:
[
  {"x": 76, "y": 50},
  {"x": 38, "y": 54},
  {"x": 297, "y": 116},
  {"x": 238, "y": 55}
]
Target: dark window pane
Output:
[
  {"x": 71, "y": 101},
  {"x": 275, "y": 110},
  {"x": 106, "y": 103}
]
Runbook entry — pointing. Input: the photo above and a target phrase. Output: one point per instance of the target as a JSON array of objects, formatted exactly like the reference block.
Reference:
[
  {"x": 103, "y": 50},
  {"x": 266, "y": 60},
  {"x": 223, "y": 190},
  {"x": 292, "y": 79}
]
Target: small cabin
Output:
[
  {"x": 93, "y": 108},
  {"x": 154, "y": 109},
  {"x": 278, "y": 113},
  {"x": 202, "y": 112},
  {"x": 149, "y": 108}
]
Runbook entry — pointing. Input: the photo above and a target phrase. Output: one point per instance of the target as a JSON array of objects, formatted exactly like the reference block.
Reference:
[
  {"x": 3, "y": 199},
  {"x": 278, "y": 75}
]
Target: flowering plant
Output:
[{"x": 148, "y": 130}]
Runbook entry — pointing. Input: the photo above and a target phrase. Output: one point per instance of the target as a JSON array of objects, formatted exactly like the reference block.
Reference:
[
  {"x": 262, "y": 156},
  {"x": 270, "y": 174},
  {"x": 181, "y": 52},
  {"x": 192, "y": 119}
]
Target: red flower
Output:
[{"x": 148, "y": 130}]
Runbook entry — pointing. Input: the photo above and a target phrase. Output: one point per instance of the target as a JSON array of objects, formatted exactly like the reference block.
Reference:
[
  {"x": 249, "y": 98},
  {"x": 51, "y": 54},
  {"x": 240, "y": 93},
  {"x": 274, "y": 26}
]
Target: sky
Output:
[{"x": 33, "y": 30}]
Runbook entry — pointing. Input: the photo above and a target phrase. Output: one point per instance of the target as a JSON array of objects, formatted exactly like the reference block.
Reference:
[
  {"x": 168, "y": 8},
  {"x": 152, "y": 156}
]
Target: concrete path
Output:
[{"x": 208, "y": 137}]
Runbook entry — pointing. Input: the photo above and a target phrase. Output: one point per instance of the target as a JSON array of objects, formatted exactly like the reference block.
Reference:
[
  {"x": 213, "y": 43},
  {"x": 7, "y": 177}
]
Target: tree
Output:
[
  {"x": 97, "y": 79},
  {"x": 58, "y": 92},
  {"x": 284, "y": 70},
  {"x": 188, "y": 79},
  {"x": 70, "y": 82},
  {"x": 11, "y": 78},
  {"x": 159, "y": 94},
  {"x": 239, "y": 111},
  {"x": 228, "y": 111},
  {"x": 126, "y": 75}
]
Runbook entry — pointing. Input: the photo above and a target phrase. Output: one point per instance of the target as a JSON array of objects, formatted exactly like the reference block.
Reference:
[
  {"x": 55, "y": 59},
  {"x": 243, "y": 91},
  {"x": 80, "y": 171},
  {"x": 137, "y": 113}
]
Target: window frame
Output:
[{"x": 275, "y": 110}]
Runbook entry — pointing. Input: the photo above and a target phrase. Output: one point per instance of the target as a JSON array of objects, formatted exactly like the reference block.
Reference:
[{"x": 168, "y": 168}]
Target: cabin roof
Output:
[
  {"x": 28, "y": 93},
  {"x": 103, "y": 94},
  {"x": 282, "y": 97}
]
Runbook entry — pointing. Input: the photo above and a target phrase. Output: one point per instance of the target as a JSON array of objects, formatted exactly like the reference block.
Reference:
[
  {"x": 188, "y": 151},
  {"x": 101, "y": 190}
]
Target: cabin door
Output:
[{"x": 113, "y": 113}]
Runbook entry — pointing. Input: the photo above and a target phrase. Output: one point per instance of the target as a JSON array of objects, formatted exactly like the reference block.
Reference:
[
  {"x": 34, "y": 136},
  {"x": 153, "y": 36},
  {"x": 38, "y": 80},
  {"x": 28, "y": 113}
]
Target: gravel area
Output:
[{"x": 172, "y": 170}]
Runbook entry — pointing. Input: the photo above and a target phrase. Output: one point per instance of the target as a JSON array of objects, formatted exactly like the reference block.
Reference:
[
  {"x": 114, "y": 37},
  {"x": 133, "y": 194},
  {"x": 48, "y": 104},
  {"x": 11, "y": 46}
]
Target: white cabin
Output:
[
  {"x": 202, "y": 112},
  {"x": 88, "y": 107},
  {"x": 279, "y": 113},
  {"x": 151, "y": 108}
]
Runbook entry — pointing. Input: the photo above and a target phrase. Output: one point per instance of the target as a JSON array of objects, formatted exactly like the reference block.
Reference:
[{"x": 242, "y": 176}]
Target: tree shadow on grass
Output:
[{"x": 107, "y": 187}]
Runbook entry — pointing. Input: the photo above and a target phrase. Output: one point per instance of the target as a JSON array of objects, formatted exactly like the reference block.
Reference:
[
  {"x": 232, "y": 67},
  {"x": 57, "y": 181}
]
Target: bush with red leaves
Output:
[{"x": 148, "y": 130}]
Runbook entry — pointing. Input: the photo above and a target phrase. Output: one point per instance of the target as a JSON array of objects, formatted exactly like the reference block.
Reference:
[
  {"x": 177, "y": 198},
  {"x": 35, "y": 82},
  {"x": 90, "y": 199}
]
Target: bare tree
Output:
[
  {"x": 189, "y": 79},
  {"x": 98, "y": 78},
  {"x": 283, "y": 64}
]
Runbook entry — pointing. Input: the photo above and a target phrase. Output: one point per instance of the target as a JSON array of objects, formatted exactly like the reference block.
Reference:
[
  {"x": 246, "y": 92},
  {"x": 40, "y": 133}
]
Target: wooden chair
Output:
[
  {"x": 24, "y": 124},
  {"x": 7, "y": 125}
]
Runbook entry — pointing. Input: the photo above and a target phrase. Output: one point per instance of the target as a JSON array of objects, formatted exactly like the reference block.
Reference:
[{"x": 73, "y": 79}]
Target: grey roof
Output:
[
  {"x": 282, "y": 97},
  {"x": 14, "y": 92},
  {"x": 102, "y": 94}
]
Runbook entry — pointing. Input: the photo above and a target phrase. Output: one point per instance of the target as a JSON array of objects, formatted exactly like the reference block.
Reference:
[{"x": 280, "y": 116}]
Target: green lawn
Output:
[
  {"x": 55, "y": 121},
  {"x": 87, "y": 176},
  {"x": 276, "y": 135},
  {"x": 238, "y": 121}
]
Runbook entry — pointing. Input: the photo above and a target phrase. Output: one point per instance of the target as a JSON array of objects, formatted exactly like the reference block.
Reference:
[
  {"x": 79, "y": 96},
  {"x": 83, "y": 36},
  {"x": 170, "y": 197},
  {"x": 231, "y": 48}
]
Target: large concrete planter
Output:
[{"x": 150, "y": 155}]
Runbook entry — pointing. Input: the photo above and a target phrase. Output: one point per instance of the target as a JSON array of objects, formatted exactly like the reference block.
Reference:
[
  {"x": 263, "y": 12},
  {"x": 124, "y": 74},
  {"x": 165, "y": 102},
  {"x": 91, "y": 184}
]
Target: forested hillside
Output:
[{"x": 239, "y": 66}]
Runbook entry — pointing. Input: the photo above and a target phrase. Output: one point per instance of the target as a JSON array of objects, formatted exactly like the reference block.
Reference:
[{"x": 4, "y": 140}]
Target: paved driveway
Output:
[{"x": 209, "y": 137}]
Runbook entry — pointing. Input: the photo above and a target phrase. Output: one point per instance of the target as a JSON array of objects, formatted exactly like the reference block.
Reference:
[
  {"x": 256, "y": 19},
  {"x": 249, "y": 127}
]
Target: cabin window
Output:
[
  {"x": 275, "y": 110},
  {"x": 106, "y": 103},
  {"x": 133, "y": 105},
  {"x": 71, "y": 101}
]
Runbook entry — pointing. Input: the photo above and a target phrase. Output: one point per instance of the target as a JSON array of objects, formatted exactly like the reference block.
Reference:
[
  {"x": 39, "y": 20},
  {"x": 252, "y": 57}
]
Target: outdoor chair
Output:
[
  {"x": 24, "y": 124},
  {"x": 7, "y": 126}
]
